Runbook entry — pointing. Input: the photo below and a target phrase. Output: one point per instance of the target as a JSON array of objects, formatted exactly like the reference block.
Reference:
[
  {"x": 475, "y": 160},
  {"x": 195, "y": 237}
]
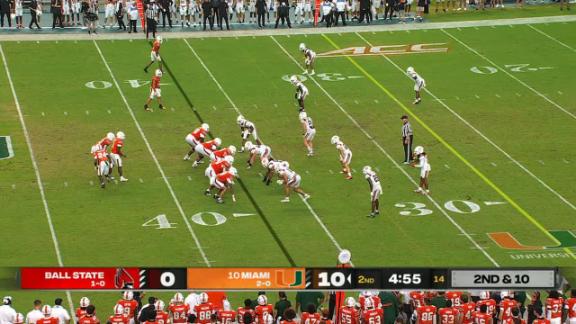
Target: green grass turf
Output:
[
  {"x": 498, "y": 13},
  {"x": 98, "y": 227}
]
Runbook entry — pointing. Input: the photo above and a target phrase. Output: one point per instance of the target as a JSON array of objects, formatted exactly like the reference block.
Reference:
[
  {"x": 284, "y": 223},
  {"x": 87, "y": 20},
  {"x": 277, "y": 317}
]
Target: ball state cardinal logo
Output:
[{"x": 123, "y": 279}]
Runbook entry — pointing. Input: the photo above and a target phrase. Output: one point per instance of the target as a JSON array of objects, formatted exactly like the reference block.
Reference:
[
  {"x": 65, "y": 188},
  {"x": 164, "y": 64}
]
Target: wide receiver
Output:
[
  {"x": 309, "y": 132},
  {"x": 155, "y": 54},
  {"x": 196, "y": 137},
  {"x": 247, "y": 129},
  {"x": 117, "y": 154},
  {"x": 421, "y": 161},
  {"x": 419, "y": 83},
  {"x": 301, "y": 91},
  {"x": 155, "y": 91},
  {"x": 345, "y": 156},
  {"x": 375, "y": 189},
  {"x": 309, "y": 59}
]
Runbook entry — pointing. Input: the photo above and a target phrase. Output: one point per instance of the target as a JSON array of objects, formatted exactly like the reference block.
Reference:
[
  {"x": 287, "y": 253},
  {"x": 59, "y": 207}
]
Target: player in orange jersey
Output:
[
  {"x": 507, "y": 304},
  {"x": 155, "y": 91},
  {"x": 489, "y": 302},
  {"x": 155, "y": 54},
  {"x": 449, "y": 314},
  {"x": 224, "y": 182},
  {"x": 196, "y": 137},
  {"x": 554, "y": 307},
  {"x": 178, "y": 310},
  {"x": 288, "y": 318},
  {"x": 541, "y": 321},
  {"x": 467, "y": 310},
  {"x": 348, "y": 313},
  {"x": 129, "y": 304},
  {"x": 215, "y": 168},
  {"x": 161, "y": 316},
  {"x": 368, "y": 294},
  {"x": 455, "y": 297},
  {"x": 226, "y": 315},
  {"x": 119, "y": 317},
  {"x": 81, "y": 311},
  {"x": 372, "y": 314},
  {"x": 310, "y": 316},
  {"x": 47, "y": 319},
  {"x": 425, "y": 315},
  {"x": 262, "y": 309},
  {"x": 117, "y": 154},
  {"x": 247, "y": 309},
  {"x": 104, "y": 143},
  {"x": 90, "y": 317},
  {"x": 102, "y": 167},
  {"x": 481, "y": 316},
  {"x": 206, "y": 149},
  {"x": 570, "y": 306},
  {"x": 204, "y": 310},
  {"x": 227, "y": 151},
  {"x": 325, "y": 317},
  {"x": 417, "y": 299}
]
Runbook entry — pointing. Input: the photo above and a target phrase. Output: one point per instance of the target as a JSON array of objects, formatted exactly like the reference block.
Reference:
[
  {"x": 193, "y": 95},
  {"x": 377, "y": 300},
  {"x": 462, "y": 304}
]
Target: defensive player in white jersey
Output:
[
  {"x": 264, "y": 151},
  {"x": 345, "y": 156},
  {"x": 309, "y": 132},
  {"x": 291, "y": 181},
  {"x": 421, "y": 161},
  {"x": 247, "y": 128},
  {"x": 271, "y": 168},
  {"x": 309, "y": 59},
  {"x": 301, "y": 92},
  {"x": 419, "y": 83},
  {"x": 375, "y": 189}
]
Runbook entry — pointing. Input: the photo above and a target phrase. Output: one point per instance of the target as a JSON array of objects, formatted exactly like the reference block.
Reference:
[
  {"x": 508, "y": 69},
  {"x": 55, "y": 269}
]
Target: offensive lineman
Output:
[
  {"x": 345, "y": 156},
  {"x": 155, "y": 54},
  {"x": 419, "y": 83},
  {"x": 215, "y": 168},
  {"x": 309, "y": 58},
  {"x": 422, "y": 158},
  {"x": 102, "y": 166},
  {"x": 117, "y": 154},
  {"x": 196, "y": 137},
  {"x": 309, "y": 132},
  {"x": 155, "y": 91},
  {"x": 206, "y": 149},
  {"x": 375, "y": 189},
  {"x": 301, "y": 91},
  {"x": 247, "y": 128}
]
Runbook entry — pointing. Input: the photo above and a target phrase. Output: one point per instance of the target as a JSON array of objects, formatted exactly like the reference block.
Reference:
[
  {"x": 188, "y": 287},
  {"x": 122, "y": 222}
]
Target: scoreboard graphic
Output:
[{"x": 287, "y": 278}]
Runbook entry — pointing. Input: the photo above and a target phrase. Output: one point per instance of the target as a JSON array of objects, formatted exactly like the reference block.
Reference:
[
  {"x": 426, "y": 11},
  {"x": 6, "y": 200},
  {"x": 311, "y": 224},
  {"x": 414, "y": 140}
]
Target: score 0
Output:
[{"x": 332, "y": 278}]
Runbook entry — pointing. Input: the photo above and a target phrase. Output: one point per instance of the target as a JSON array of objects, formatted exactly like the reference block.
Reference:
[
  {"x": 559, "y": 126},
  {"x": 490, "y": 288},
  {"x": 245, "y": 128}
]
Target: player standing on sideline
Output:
[
  {"x": 291, "y": 181},
  {"x": 455, "y": 297},
  {"x": 117, "y": 155},
  {"x": 554, "y": 307},
  {"x": 263, "y": 309},
  {"x": 130, "y": 305},
  {"x": 155, "y": 54},
  {"x": 481, "y": 316},
  {"x": 119, "y": 317},
  {"x": 375, "y": 190},
  {"x": 247, "y": 309},
  {"x": 161, "y": 316},
  {"x": 102, "y": 166},
  {"x": 419, "y": 83},
  {"x": 310, "y": 316},
  {"x": 301, "y": 92},
  {"x": 90, "y": 317},
  {"x": 247, "y": 128},
  {"x": 204, "y": 310},
  {"x": 489, "y": 302},
  {"x": 178, "y": 310},
  {"x": 507, "y": 304},
  {"x": 421, "y": 161},
  {"x": 345, "y": 156},
  {"x": 467, "y": 310},
  {"x": 425, "y": 314},
  {"x": 47, "y": 319},
  {"x": 348, "y": 313},
  {"x": 309, "y": 132},
  {"x": 155, "y": 91},
  {"x": 449, "y": 314},
  {"x": 81, "y": 311},
  {"x": 196, "y": 137},
  {"x": 570, "y": 306},
  {"x": 206, "y": 149},
  {"x": 36, "y": 313},
  {"x": 226, "y": 315},
  {"x": 309, "y": 59},
  {"x": 371, "y": 313}
]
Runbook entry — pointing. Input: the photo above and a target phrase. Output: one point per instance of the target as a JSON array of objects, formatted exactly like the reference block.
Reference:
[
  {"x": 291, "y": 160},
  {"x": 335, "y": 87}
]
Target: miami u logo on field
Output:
[
  {"x": 507, "y": 241},
  {"x": 6, "y": 151}
]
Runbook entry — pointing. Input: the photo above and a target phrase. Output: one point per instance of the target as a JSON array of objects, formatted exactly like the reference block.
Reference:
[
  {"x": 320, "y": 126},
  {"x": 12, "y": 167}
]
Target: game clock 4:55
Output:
[{"x": 414, "y": 279}]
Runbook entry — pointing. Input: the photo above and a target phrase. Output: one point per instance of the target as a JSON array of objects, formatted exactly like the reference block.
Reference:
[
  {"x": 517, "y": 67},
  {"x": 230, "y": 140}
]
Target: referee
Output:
[
  {"x": 151, "y": 14},
  {"x": 407, "y": 139}
]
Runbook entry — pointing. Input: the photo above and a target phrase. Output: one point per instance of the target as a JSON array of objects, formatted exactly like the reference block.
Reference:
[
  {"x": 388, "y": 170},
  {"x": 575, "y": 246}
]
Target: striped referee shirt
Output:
[
  {"x": 407, "y": 130},
  {"x": 152, "y": 11}
]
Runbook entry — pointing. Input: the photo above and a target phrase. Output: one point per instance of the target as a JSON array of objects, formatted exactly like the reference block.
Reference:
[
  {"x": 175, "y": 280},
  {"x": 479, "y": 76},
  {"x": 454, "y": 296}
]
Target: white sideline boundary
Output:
[
  {"x": 553, "y": 38},
  {"x": 158, "y": 166},
  {"x": 38, "y": 177},
  {"x": 496, "y": 146},
  {"x": 316, "y": 217},
  {"x": 295, "y": 31},
  {"x": 538, "y": 93},
  {"x": 398, "y": 166}
]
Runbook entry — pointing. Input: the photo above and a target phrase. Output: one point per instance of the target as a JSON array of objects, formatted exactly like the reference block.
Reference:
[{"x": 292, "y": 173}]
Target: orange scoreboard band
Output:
[{"x": 246, "y": 278}]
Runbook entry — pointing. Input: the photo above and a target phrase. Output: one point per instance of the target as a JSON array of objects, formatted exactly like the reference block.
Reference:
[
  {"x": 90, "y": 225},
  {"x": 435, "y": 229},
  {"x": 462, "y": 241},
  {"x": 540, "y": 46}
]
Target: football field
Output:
[{"x": 498, "y": 120}]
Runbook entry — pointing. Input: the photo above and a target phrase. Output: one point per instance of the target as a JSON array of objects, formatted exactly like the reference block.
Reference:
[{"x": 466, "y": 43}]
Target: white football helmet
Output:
[
  {"x": 232, "y": 149},
  {"x": 302, "y": 47},
  {"x": 369, "y": 302},
  {"x": 366, "y": 293},
  {"x": 205, "y": 127},
  {"x": 262, "y": 300},
  {"x": 234, "y": 171},
  {"x": 158, "y": 73},
  {"x": 203, "y": 297},
  {"x": 110, "y": 136},
  {"x": 217, "y": 141},
  {"x": 19, "y": 319},
  {"x": 418, "y": 150},
  {"x": 344, "y": 256},
  {"x": 294, "y": 79},
  {"x": 484, "y": 295},
  {"x": 240, "y": 119},
  {"x": 410, "y": 70},
  {"x": 366, "y": 170},
  {"x": 303, "y": 115},
  {"x": 229, "y": 159},
  {"x": 118, "y": 309},
  {"x": 159, "y": 305},
  {"x": 46, "y": 310},
  {"x": 248, "y": 146},
  {"x": 226, "y": 305},
  {"x": 335, "y": 139},
  {"x": 268, "y": 319},
  {"x": 285, "y": 165},
  {"x": 350, "y": 302},
  {"x": 159, "y": 39},
  {"x": 84, "y": 302},
  {"x": 178, "y": 298},
  {"x": 128, "y": 295},
  {"x": 121, "y": 135},
  {"x": 504, "y": 294}
]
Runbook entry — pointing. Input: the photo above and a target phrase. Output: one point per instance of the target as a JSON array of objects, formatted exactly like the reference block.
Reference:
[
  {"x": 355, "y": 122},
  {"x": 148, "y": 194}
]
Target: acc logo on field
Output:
[
  {"x": 6, "y": 150},
  {"x": 387, "y": 50}
]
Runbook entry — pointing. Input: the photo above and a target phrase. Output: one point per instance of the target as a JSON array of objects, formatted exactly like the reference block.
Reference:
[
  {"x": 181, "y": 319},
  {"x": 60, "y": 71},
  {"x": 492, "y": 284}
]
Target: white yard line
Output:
[
  {"x": 37, "y": 173},
  {"x": 396, "y": 165},
  {"x": 316, "y": 217},
  {"x": 477, "y": 131},
  {"x": 538, "y": 93},
  {"x": 553, "y": 38},
  {"x": 158, "y": 166}
]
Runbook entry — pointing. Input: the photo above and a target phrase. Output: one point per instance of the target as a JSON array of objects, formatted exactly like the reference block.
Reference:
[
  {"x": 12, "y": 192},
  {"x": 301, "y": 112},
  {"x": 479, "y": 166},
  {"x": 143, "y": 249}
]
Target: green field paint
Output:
[
  {"x": 507, "y": 241},
  {"x": 6, "y": 151},
  {"x": 567, "y": 239}
]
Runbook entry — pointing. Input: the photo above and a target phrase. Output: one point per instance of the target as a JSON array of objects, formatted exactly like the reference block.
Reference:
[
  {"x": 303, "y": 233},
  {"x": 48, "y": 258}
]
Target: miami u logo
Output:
[
  {"x": 6, "y": 151},
  {"x": 289, "y": 278},
  {"x": 507, "y": 241}
]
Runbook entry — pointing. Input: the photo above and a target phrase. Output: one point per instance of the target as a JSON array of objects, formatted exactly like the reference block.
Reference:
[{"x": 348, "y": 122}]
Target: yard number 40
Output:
[{"x": 521, "y": 68}]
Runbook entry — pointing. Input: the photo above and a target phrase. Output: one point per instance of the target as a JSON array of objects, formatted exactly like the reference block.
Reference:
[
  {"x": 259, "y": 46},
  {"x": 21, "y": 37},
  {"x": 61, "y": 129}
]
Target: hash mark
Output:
[
  {"x": 65, "y": 113},
  {"x": 376, "y": 101},
  {"x": 356, "y": 102},
  {"x": 65, "y": 184},
  {"x": 140, "y": 179},
  {"x": 497, "y": 95},
  {"x": 331, "y": 172},
  {"x": 87, "y": 112},
  {"x": 446, "y": 166},
  {"x": 376, "y": 168},
  {"x": 518, "y": 95},
  {"x": 275, "y": 105},
  {"x": 255, "y": 106},
  {"x": 214, "y": 107},
  {"x": 91, "y": 182},
  {"x": 43, "y": 114},
  {"x": 109, "y": 111},
  {"x": 565, "y": 161},
  {"x": 13, "y": 186},
  {"x": 560, "y": 92},
  {"x": 457, "y": 98},
  {"x": 541, "y": 162},
  {"x": 307, "y": 172},
  {"x": 260, "y": 174},
  {"x": 189, "y": 178},
  {"x": 493, "y": 164},
  {"x": 477, "y": 96},
  {"x": 172, "y": 109},
  {"x": 354, "y": 170}
]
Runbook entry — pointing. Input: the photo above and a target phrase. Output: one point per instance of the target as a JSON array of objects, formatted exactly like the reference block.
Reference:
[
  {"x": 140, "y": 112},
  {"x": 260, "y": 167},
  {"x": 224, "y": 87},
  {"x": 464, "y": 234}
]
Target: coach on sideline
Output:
[{"x": 407, "y": 139}]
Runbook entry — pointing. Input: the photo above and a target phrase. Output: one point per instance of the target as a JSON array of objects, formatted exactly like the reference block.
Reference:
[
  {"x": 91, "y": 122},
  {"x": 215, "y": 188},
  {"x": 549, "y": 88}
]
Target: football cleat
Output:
[
  {"x": 417, "y": 101},
  {"x": 205, "y": 127},
  {"x": 306, "y": 196},
  {"x": 110, "y": 136},
  {"x": 121, "y": 135},
  {"x": 158, "y": 73},
  {"x": 122, "y": 179},
  {"x": 159, "y": 305},
  {"x": 128, "y": 295},
  {"x": 302, "y": 47},
  {"x": 118, "y": 309},
  {"x": 186, "y": 157},
  {"x": 232, "y": 149},
  {"x": 46, "y": 310},
  {"x": 203, "y": 297},
  {"x": 285, "y": 200},
  {"x": 84, "y": 302},
  {"x": 335, "y": 139},
  {"x": 418, "y": 150},
  {"x": 312, "y": 73}
]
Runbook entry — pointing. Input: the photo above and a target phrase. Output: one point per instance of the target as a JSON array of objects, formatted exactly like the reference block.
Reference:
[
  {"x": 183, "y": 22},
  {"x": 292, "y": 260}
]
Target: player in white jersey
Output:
[
  {"x": 309, "y": 59},
  {"x": 308, "y": 10},
  {"x": 183, "y": 13},
  {"x": 345, "y": 156},
  {"x": 301, "y": 92},
  {"x": 299, "y": 11},
  {"x": 419, "y": 83},
  {"x": 291, "y": 181},
  {"x": 271, "y": 168},
  {"x": 192, "y": 11},
  {"x": 375, "y": 189},
  {"x": 309, "y": 132},
  {"x": 240, "y": 11},
  {"x": 421, "y": 161},
  {"x": 264, "y": 151},
  {"x": 251, "y": 11},
  {"x": 76, "y": 6},
  {"x": 247, "y": 128}
]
